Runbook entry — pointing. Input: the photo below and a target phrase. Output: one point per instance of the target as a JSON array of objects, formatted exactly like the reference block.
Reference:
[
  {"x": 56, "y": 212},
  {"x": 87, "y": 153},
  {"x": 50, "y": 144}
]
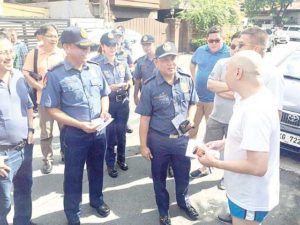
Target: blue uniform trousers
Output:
[
  {"x": 81, "y": 148},
  {"x": 116, "y": 131},
  {"x": 167, "y": 150},
  {"x": 20, "y": 178}
]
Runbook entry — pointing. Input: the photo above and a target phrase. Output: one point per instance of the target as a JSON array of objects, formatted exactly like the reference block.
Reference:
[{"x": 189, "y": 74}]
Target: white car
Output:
[
  {"x": 293, "y": 31},
  {"x": 281, "y": 37}
]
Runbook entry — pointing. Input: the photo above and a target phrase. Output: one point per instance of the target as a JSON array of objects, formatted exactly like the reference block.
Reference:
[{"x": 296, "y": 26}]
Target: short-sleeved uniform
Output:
[
  {"x": 163, "y": 102},
  {"x": 116, "y": 73},
  {"x": 15, "y": 102},
  {"x": 144, "y": 68},
  {"x": 78, "y": 94}
]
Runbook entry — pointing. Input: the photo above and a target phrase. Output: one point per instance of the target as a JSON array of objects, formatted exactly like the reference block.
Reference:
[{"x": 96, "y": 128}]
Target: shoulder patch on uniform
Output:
[
  {"x": 56, "y": 66},
  {"x": 92, "y": 62},
  {"x": 149, "y": 79},
  {"x": 180, "y": 71}
]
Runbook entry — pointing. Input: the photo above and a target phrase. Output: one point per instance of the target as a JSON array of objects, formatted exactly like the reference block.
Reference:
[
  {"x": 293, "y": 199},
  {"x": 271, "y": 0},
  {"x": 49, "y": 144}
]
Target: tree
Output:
[
  {"x": 275, "y": 8},
  {"x": 206, "y": 13}
]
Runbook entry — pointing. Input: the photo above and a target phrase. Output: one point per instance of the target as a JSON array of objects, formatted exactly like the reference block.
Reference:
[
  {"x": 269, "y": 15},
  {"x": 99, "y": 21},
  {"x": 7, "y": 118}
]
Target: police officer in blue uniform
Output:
[
  {"x": 118, "y": 77},
  {"x": 168, "y": 98},
  {"x": 144, "y": 65},
  {"x": 75, "y": 94}
]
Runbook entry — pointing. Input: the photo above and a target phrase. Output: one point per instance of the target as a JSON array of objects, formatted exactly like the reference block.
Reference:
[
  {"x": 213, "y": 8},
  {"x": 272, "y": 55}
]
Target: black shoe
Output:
[
  {"x": 102, "y": 210},
  {"x": 122, "y": 165},
  {"x": 191, "y": 212},
  {"x": 47, "y": 168},
  {"x": 164, "y": 220},
  {"x": 225, "y": 218},
  {"x": 112, "y": 172},
  {"x": 129, "y": 130},
  {"x": 170, "y": 172}
]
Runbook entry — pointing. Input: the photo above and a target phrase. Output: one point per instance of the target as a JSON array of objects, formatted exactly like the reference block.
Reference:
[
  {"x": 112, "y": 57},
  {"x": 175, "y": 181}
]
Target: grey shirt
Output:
[
  {"x": 223, "y": 107},
  {"x": 15, "y": 102}
]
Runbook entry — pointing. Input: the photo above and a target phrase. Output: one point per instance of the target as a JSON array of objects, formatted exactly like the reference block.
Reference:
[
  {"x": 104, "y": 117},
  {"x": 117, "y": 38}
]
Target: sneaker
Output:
[
  {"x": 47, "y": 167},
  {"x": 225, "y": 218},
  {"x": 198, "y": 173}
]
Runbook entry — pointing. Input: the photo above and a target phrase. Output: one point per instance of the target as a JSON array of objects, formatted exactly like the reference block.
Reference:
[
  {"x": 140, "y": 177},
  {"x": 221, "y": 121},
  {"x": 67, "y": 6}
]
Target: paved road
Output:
[{"x": 131, "y": 196}]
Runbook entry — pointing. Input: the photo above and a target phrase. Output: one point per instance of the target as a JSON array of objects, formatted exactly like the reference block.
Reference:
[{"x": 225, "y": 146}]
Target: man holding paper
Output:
[
  {"x": 76, "y": 94},
  {"x": 167, "y": 107}
]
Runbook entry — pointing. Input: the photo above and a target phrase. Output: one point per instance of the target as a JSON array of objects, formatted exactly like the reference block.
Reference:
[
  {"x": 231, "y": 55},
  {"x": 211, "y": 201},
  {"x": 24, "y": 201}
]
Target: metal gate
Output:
[
  {"x": 147, "y": 26},
  {"x": 25, "y": 27}
]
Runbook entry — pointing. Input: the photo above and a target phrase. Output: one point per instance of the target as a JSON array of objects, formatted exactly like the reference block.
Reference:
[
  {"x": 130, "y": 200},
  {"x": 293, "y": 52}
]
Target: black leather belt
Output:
[
  {"x": 118, "y": 98},
  {"x": 17, "y": 147},
  {"x": 171, "y": 136}
]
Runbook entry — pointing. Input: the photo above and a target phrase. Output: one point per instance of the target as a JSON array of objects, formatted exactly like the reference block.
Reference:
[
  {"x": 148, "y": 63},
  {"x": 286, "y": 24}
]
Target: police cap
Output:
[
  {"x": 146, "y": 39},
  {"x": 168, "y": 48},
  {"x": 77, "y": 36},
  {"x": 108, "y": 39}
]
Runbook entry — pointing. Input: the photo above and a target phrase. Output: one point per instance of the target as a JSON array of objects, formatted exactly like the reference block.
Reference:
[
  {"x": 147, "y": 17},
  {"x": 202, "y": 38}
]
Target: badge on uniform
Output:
[
  {"x": 184, "y": 87},
  {"x": 45, "y": 81}
]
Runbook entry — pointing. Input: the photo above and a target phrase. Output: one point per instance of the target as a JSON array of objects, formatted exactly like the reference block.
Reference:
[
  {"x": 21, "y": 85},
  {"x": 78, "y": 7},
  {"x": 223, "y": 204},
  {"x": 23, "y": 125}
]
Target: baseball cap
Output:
[
  {"x": 77, "y": 36},
  {"x": 108, "y": 39},
  {"x": 147, "y": 39},
  {"x": 168, "y": 48},
  {"x": 117, "y": 32}
]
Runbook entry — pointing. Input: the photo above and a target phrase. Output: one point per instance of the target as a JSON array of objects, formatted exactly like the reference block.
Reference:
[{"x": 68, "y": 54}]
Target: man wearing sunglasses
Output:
[
  {"x": 75, "y": 94},
  {"x": 202, "y": 63}
]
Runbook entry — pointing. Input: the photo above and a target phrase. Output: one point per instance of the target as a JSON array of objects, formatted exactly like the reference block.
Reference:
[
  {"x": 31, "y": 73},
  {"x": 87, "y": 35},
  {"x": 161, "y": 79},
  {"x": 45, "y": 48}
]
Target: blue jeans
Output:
[
  {"x": 20, "y": 177},
  {"x": 166, "y": 150},
  {"x": 81, "y": 148},
  {"x": 116, "y": 132}
]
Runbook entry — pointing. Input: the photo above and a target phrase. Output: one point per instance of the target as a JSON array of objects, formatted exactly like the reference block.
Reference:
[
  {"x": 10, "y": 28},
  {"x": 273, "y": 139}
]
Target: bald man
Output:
[{"x": 251, "y": 150}]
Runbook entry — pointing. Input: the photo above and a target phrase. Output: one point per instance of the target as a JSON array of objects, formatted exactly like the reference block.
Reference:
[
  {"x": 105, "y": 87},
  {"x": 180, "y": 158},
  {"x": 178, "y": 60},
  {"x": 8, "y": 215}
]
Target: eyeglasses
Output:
[
  {"x": 233, "y": 46},
  {"x": 7, "y": 52},
  {"x": 210, "y": 41}
]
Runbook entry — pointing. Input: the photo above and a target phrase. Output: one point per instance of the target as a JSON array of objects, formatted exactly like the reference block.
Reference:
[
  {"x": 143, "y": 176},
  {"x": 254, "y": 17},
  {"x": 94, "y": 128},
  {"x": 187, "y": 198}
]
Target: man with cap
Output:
[
  {"x": 76, "y": 94},
  {"x": 144, "y": 66},
  {"x": 167, "y": 107},
  {"x": 118, "y": 77}
]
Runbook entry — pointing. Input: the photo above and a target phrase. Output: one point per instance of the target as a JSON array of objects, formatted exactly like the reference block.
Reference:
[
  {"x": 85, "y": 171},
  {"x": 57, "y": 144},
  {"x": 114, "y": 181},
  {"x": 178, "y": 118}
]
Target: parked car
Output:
[
  {"x": 290, "y": 121},
  {"x": 293, "y": 31},
  {"x": 281, "y": 37}
]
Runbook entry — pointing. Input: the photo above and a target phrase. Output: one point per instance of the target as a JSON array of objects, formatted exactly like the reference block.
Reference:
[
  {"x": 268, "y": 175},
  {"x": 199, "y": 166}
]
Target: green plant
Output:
[{"x": 195, "y": 43}]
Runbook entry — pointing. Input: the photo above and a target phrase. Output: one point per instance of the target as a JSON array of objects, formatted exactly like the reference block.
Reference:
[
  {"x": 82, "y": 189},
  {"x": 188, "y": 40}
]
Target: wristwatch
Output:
[{"x": 31, "y": 130}]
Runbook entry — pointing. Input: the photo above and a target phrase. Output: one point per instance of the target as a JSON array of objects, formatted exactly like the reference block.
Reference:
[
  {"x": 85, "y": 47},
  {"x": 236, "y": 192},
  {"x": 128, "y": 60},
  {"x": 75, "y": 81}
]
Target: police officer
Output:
[
  {"x": 167, "y": 100},
  {"x": 75, "y": 94},
  {"x": 144, "y": 66},
  {"x": 118, "y": 76}
]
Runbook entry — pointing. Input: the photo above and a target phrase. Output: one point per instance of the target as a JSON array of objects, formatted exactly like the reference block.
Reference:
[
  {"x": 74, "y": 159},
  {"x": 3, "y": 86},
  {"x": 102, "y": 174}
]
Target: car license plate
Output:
[{"x": 290, "y": 139}]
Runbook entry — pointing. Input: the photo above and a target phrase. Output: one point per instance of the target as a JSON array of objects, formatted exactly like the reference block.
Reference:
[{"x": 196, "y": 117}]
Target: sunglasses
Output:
[{"x": 213, "y": 41}]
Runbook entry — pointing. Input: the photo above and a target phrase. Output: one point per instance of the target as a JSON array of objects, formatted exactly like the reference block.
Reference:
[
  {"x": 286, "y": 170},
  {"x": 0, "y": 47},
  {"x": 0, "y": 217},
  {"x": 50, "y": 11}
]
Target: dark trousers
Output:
[
  {"x": 81, "y": 148},
  {"x": 167, "y": 150},
  {"x": 116, "y": 132},
  {"x": 20, "y": 178}
]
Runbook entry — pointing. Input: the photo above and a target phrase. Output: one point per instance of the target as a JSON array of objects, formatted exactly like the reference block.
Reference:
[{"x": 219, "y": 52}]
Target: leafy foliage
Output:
[
  {"x": 275, "y": 8},
  {"x": 206, "y": 13}
]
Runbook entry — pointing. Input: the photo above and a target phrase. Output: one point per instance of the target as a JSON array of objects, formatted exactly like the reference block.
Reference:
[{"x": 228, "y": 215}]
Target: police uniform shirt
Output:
[
  {"x": 144, "y": 68},
  {"x": 77, "y": 93},
  {"x": 115, "y": 73},
  {"x": 162, "y": 101},
  {"x": 124, "y": 56},
  {"x": 15, "y": 102}
]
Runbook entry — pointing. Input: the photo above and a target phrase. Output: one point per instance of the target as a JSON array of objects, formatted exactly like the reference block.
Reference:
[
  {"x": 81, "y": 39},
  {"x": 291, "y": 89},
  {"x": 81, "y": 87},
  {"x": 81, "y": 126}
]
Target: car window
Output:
[
  {"x": 285, "y": 28},
  {"x": 294, "y": 28},
  {"x": 291, "y": 66}
]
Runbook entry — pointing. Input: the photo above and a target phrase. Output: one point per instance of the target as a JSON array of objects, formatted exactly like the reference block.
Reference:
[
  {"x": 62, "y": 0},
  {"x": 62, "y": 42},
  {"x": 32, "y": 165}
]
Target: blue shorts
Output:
[{"x": 244, "y": 214}]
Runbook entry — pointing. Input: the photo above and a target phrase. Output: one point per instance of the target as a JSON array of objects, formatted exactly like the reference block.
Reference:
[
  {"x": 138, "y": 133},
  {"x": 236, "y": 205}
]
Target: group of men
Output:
[{"x": 76, "y": 93}]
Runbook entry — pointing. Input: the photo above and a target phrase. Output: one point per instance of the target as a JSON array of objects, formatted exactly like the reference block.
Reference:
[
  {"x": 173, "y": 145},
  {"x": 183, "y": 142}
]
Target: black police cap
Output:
[
  {"x": 168, "y": 48},
  {"x": 77, "y": 36},
  {"x": 108, "y": 39},
  {"x": 147, "y": 39}
]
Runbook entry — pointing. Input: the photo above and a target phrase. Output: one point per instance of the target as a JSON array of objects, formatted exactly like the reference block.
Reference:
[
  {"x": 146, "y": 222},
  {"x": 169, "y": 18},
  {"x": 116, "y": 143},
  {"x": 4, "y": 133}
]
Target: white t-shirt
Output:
[{"x": 254, "y": 126}]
